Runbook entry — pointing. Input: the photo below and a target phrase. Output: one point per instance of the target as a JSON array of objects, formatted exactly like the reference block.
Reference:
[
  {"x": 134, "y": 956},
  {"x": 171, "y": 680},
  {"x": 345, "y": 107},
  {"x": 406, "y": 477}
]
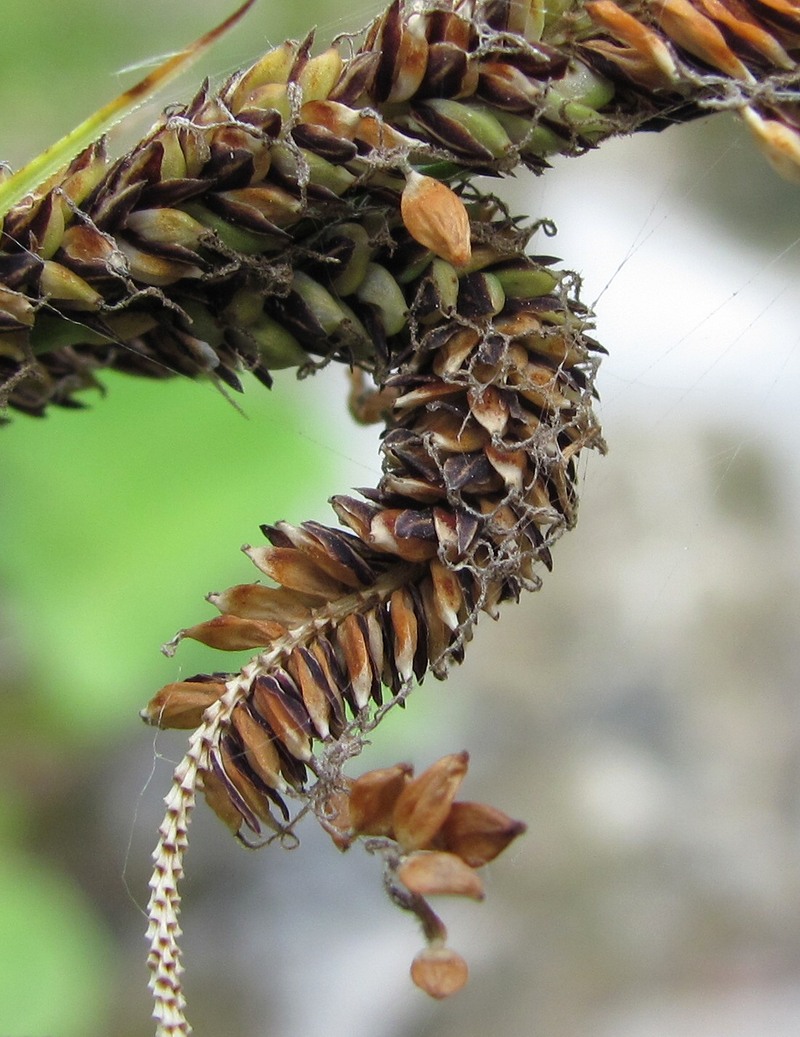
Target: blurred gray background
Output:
[{"x": 640, "y": 713}]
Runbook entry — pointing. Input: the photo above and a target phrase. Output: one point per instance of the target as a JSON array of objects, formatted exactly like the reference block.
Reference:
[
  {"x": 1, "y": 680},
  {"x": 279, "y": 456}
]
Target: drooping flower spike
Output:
[
  {"x": 319, "y": 207},
  {"x": 491, "y": 409}
]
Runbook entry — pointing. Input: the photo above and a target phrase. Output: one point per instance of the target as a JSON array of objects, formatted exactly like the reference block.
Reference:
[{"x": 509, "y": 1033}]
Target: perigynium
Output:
[{"x": 320, "y": 206}]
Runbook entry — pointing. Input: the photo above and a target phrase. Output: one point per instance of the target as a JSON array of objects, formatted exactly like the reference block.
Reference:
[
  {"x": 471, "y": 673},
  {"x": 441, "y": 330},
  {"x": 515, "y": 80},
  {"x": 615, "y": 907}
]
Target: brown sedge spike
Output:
[
  {"x": 204, "y": 251},
  {"x": 491, "y": 408}
]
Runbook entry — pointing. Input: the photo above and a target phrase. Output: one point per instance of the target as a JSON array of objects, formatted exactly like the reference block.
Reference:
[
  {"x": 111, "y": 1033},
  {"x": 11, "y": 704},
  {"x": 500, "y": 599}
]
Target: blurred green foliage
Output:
[
  {"x": 53, "y": 977},
  {"x": 103, "y": 510}
]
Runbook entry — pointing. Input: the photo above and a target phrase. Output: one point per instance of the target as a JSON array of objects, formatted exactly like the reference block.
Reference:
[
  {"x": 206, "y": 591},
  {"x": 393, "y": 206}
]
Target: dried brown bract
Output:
[{"x": 406, "y": 820}]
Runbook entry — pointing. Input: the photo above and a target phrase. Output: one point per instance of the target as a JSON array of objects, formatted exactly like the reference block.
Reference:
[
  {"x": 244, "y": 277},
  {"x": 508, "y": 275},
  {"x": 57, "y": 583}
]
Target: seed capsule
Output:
[
  {"x": 405, "y": 629},
  {"x": 260, "y": 208},
  {"x": 155, "y": 270},
  {"x": 379, "y": 289},
  {"x": 320, "y": 74},
  {"x": 84, "y": 173},
  {"x": 470, "y": 130},
  {"x": 523, "y": 280},
  {"x": 59, "y": 283},
  {"x": 277, "y": 347},
  {"x": 644, "y": 58},
  {"x": 354, "y": 269},
  {"x": 448, "y": 596},
  {"x": 356, "y": 658},
  {"x": 274, "y": 67},
  {"x": 255, "y": 601},
  {"x": 436, "y": 217},
  {"x": 401, "y": 50},
  {"x": 509, "y": 88},
  {"x": 439, "y": 971},
  {"x": 700, "y": 36},
  {"x": 779, "y": 142},
  {"x": 234, "y": 236},
  {"x": 230, "y": 758},
  {"x": 313, "y": 688},
  {"x": 383, "y": 535},
  {"x": 170, "y": 226},
  {"x": 319, "y": 172},
  {"x": 330, "y": 317},
  {"x": 490, "y": 409}
]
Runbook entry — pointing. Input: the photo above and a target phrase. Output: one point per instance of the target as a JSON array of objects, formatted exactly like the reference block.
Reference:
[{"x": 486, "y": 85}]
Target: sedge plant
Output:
[{"x": 322, "y": 206}]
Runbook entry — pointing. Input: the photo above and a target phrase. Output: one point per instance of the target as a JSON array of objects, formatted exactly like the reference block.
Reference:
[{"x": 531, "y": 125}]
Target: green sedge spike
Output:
[{"x": 27, "y": 179}]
